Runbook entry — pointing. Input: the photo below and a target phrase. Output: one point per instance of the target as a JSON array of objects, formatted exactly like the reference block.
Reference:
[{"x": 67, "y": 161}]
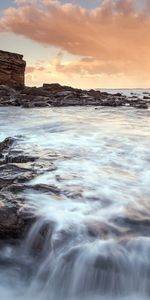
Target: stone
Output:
[
  {"x": 141, "y": 104},
  {"x": 56, "y": 87},
  {"x": 17, "y": 169},
  {"x": 12, "y": 69},
  {"x": 44, "y": 188},
  {"x": 146, "y": 98},
  {"x": 14, "y": 222},
  {"x": 56, "y": 95},
  {"x": 19, "y": 159},
  {"x": 6, "y": 144}
]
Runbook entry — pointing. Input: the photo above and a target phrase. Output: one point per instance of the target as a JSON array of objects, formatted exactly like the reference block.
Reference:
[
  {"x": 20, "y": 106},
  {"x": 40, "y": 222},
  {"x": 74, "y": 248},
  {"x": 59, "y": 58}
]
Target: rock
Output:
[
  {"x": 10, "y": 225},
  {"x": 12, "y": 69},
  {"x": 4, "y": 145},
  {"x": 16, "y": 171},
  {"x": 8, "y": 156},
  {"x": 112, "y": 101},
  {"x": 141, "y": 104},
  {"x": 44, "y": 188},
  {"x": 14, "y": 223},
  {"x": 56, "y": 87},
  {"x": 118, "y": 95},
  {"x": 19, "y": 159},
  {"x": 146, "y": 97},
  {"x": 27, "y": 104},
  {"x": 11, "y": 173},
  {"x": 13, "y": 92},
  {"x": 134, "y": 97},
  {"x": 55, "y": 95}
]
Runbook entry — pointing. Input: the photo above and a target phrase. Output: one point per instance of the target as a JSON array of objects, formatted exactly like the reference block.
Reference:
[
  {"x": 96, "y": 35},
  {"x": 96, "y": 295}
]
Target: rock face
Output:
[{"x": 12, "y": 69}]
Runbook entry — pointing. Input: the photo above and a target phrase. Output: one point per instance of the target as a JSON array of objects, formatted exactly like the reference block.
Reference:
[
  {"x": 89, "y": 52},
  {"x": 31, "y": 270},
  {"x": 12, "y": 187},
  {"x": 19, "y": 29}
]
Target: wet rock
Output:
[
  {"x": 114, "y": 102},
  {"x": 11, "y": 173},
  {"x": 118, "y": 94},
  {"x": 14, "y": 188},
  {"x": 12, "y": 225},
  {"x": 41, "y": 241},
  {"x": 44, "y": 188},
  {"x": 55, "y": 95},
  {"x": 16, "y": 171},
  {"x": 146, "y": 97},
  {"x": 19, "y": 159},
  {"x": 141, "y": 104},
  {"x": 27, "y": 104},
  {"x": 73, "y": 194},
  {"x": 6, "y": 144},
  {"x": 135, "y": 224},
  {"x": 56, "y": 87}
]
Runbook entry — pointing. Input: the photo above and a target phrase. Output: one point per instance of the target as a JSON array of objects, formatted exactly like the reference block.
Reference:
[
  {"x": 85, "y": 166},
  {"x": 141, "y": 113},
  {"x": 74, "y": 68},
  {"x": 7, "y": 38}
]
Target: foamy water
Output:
[{"x": 94, "y": 238}]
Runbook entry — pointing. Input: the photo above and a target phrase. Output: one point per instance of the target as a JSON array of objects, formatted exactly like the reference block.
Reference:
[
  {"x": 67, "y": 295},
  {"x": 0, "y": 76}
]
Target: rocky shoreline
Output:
[
  {"x": 12, "y": 178},
  {"x": 17, "y": 214},
  {"x": 16, "y": 170},
  {"x": 55, "y": 95}
]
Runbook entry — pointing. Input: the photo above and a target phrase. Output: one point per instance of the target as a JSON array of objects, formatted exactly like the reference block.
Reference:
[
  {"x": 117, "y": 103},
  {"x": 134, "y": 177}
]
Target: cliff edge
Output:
[{"x": 12, "y": 69}]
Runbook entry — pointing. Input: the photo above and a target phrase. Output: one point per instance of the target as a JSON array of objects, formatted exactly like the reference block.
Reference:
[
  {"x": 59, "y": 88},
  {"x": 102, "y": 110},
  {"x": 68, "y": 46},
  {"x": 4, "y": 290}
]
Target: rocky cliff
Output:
[{"x": 12, "y": 69}]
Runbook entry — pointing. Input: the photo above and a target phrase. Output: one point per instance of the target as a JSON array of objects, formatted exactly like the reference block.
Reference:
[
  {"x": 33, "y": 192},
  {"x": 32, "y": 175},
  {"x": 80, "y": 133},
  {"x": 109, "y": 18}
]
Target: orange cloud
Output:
[
  {"x": 30, "y": 70},
  {"x": 113, "y": 38}
]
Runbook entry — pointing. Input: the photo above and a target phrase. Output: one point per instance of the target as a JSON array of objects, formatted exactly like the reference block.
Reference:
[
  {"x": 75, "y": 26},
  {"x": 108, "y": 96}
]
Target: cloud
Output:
[
  {"x": 113, "y": 38},
  {"x": 31, "y": 69}
]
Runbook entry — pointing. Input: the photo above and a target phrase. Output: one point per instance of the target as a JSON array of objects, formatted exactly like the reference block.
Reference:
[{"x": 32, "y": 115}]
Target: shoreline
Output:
[
  {"x": 72, "y": 182},
  {"x": 55, "y": 95}
]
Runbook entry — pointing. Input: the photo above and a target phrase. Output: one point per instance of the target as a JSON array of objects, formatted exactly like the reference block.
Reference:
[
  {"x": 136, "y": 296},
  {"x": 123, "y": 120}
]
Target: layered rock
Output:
[
  {"x": 12, "y": 69},
  {"x": 17, "y": 169}
]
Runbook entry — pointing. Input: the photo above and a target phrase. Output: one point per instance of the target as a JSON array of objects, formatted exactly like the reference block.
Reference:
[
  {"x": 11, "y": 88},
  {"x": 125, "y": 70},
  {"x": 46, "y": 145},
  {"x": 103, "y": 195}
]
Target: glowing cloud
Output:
[{"x": 113, "y": 38}]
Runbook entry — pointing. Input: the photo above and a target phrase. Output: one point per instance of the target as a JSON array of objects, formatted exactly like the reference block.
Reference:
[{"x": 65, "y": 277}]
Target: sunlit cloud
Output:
[{"x": 112, "y": 39}]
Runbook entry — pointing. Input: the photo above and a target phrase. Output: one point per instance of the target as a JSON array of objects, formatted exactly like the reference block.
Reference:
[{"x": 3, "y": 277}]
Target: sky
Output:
[{"x": 81, "y": 43}]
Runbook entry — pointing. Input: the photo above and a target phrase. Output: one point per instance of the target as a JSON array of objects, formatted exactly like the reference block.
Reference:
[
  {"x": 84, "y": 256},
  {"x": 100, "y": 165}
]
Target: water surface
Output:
[{"x": 97, "y": 239}]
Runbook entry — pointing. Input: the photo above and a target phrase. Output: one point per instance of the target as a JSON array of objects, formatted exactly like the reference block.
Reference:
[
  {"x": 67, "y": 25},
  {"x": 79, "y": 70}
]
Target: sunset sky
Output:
[{"x": 83, "y": 43}]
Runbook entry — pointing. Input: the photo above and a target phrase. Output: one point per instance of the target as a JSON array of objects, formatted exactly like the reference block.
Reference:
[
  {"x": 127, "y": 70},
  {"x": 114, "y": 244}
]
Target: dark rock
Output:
[
  {"x": 4, "y": 145},
  {"x": 143, "y": 105},
  {"x": 13, "y": 223},
  {"x": 16, "y": 171},
  {"x": 56, "y": 87},
  {"x": 44, "y": 188},
  {"x": 27, "y": 104},
  {"x": 19, "y": 159},
  {"x": 146, "y": 97},
  {"x": 118, "y": 95},
  {"x": 55, "y": 95},
  {"x": 10, "y": 173},
  {"x": 13, "y": 92}
]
